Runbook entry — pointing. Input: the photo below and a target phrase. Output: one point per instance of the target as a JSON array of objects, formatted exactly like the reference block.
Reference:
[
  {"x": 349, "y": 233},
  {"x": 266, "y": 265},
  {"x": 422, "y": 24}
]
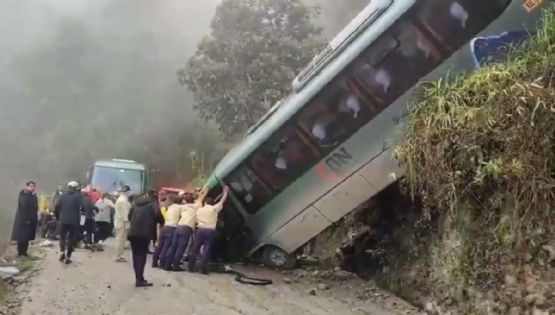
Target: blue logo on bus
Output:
[{"x": 494, "y": 49}]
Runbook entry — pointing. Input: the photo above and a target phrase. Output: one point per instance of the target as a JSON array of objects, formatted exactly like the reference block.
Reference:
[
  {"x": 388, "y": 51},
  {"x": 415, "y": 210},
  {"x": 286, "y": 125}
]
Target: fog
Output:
[
  {"x": 91, "y": 79},
  {"x": 88, "y": 79}
]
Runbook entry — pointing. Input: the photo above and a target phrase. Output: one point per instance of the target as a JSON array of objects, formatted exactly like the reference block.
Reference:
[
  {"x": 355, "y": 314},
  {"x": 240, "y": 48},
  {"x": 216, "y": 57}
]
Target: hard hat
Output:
[{"x": 73, "y": 184}]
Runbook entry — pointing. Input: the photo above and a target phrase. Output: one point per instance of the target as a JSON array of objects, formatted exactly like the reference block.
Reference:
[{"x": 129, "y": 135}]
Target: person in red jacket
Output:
[{"x": 93, "y": 194}]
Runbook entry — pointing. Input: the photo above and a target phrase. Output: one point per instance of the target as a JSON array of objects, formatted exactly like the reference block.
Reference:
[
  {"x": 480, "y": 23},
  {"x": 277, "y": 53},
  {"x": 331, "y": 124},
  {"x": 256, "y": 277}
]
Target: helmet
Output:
[{"x": 73, "y": 184}]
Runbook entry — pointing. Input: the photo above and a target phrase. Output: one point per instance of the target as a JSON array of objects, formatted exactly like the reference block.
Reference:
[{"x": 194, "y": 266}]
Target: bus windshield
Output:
[{"x": 109, "y": 179}]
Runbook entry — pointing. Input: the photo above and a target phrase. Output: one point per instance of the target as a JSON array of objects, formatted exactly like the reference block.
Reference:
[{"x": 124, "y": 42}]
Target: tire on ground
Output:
[{"x": 276, "y": 257}]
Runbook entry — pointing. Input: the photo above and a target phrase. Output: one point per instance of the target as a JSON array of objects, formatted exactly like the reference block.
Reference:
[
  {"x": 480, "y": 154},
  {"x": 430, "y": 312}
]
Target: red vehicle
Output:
[{"x": 170, "y": 191}]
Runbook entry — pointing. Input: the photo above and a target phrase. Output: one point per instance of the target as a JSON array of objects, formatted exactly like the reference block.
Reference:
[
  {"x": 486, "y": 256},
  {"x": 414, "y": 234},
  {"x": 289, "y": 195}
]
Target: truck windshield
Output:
[{"x": 109, "y": 179}]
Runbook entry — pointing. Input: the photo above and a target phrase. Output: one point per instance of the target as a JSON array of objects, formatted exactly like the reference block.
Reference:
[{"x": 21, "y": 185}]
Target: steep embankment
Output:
[
  {"x": 471, "y": 229},
  {"x": 480, "y": 154}
]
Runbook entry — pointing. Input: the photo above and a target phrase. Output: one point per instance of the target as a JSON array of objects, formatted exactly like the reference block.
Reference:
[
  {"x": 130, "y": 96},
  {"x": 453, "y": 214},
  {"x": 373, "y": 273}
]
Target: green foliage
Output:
[
  {"x": 246, "y": 65},
  {"x": 480, "y": 152},
  {"x": 492, "y": 132},
  {"x": 4, "y": 291}
]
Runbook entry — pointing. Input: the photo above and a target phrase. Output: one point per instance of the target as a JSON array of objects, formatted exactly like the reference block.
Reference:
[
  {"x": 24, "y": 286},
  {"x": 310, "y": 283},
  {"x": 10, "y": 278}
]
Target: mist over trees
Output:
[
  {"x": 336, "y": 14},
  {"x": 92, "y": 79},
  {"x": 246, "y": 64},
  {"x": 254, "y": 51}
]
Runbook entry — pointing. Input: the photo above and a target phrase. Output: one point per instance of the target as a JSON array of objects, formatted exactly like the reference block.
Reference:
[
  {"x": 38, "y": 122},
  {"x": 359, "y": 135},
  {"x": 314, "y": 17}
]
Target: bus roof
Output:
[
  {"x": 389, "y": 12},
  {"x": 122, "y": 164}
]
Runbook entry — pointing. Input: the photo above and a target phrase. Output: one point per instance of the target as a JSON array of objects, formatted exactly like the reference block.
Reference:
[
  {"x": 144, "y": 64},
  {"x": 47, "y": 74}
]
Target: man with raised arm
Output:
[{"x": 207, "y": 219}]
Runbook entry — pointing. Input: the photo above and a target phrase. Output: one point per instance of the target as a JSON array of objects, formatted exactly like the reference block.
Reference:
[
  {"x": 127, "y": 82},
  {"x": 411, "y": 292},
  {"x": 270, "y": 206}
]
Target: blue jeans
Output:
[
  {"x": 180, "y": 242},
  {"x": 203, "y": 238},
  {"x": 164, "y": 244}
]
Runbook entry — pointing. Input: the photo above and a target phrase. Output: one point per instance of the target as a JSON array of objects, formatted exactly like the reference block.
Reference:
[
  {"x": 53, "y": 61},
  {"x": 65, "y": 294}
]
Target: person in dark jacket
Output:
[
  {"x": 68, "y": 212},
  {"x": 160, "y": 218},
  {"x": 142, "y": 219},
  {"x": 26, "y": 218},
  {"x": 89, "y": 210}
]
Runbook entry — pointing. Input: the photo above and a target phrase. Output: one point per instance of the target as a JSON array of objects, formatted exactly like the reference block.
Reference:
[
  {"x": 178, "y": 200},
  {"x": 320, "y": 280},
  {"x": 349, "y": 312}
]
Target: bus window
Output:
[
  {"x": 336, "y": 114},
  {"x": 283, "y": 158},
  {"x": 252, "y": 194},
  {"x": 412, "y": 59},
  {"x": 454, "y": 22}
]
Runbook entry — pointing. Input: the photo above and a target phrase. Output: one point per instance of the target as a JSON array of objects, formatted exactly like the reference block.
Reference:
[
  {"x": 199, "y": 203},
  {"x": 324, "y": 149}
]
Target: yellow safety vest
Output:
[{"x": 44, "y": 203}]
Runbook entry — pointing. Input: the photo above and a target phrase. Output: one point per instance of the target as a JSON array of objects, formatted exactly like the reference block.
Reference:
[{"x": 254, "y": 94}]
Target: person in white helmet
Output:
[{"x": 68, "y": 213}]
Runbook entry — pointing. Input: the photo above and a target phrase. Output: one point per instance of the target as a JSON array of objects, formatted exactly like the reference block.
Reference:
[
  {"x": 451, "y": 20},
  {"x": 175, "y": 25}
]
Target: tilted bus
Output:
[{"x": 327, "y": 147}]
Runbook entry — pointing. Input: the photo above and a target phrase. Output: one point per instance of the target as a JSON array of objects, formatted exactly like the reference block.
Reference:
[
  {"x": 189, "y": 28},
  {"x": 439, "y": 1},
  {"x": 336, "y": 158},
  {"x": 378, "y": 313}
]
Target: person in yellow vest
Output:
[
  {"x": 166, "y": 233},
  {"x": 164, "y": 209},
  {"x": 184, "y": 230},
  {"x": 207, "y": 218},
  {"x": 44, "y": 203}
]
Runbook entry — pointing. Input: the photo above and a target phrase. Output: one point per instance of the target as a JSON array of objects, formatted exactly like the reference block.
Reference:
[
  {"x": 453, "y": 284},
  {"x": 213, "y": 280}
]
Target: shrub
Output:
[{"x": 482, "y": 147}]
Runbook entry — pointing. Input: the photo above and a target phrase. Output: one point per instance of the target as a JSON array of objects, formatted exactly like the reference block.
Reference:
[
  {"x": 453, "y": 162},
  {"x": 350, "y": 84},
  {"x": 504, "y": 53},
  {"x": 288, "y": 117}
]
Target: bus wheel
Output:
[{"x": 277, "y": 258}]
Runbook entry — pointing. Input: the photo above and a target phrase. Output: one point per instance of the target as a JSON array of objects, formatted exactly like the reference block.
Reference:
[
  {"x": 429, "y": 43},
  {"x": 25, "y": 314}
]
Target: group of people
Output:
[
  {"x": 176, "y": 224},
  {"x": 171, "y": 221},
  {"x": 82, "y": 216}
]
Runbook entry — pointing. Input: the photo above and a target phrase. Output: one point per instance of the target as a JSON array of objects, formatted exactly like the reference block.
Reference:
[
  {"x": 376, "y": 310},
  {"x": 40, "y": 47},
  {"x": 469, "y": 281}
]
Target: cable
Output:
[{"x": 239, "y": 277}]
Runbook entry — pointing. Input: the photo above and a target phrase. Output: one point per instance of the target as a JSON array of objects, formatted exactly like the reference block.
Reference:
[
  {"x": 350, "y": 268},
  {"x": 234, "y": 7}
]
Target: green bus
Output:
[
  {"x": 328, "y": 147},
  {"x": 110, "y": 175}
]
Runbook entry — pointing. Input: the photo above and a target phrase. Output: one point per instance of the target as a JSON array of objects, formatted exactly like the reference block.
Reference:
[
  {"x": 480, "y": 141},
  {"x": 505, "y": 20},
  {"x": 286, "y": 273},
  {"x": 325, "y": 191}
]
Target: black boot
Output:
[
  {"x": 62, "y": 256},
  {"x": 142, "y": 284}
]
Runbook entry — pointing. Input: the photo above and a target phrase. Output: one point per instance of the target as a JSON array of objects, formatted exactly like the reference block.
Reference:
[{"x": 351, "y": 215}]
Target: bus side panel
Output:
[
  {"x": 307, "y": 225},
  {"x": 345, "y": 197},
  {"x": 382, "y": 171},
  {"x": 369, "y": 149}
]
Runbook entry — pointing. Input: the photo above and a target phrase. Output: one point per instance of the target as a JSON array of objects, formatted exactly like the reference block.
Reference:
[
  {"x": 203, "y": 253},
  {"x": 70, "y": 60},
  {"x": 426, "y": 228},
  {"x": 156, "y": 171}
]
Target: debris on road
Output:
[
  {"x": 47, "y": 243},
  {"x": 8, "y": 272},
  {"x": 323, "y": 287}
]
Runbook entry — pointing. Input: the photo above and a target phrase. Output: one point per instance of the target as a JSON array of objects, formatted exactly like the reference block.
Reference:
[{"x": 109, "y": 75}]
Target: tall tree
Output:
[{"x": 255, "y": 49}]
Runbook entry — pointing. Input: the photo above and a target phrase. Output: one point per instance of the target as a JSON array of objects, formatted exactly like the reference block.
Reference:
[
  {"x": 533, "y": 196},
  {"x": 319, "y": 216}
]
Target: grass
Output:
[
  {"x": 25, "y": 264},
  {"x": 480, "y": 153},
  {"x": 4, "y": 291}
]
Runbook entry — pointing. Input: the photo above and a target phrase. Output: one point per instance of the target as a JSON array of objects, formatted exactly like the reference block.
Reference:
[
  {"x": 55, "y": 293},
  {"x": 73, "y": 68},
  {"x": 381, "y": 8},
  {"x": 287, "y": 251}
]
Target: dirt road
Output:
[{"x": 94, "y": 284}]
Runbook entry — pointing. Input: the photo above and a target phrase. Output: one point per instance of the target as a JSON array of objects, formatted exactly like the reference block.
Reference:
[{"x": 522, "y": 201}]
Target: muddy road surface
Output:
[{"x": 94, "y": 284}]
